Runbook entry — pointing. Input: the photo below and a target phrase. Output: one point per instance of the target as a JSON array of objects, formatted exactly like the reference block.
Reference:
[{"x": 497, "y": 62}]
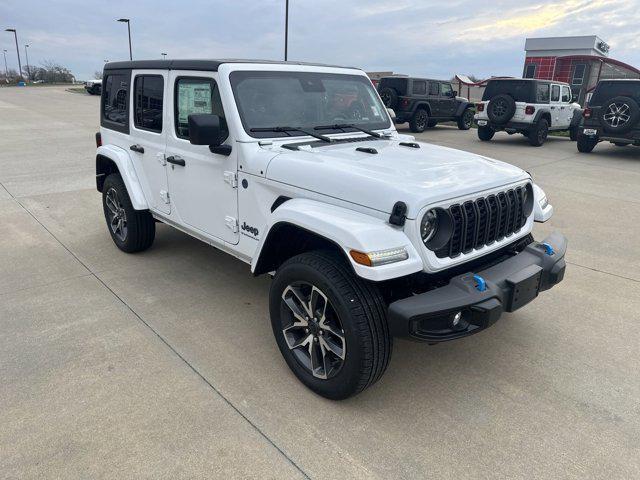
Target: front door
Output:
[
  {"x": 148, "y": 139},
  {"x": 202, "y": 184},
  {"x": 434, "y": 99},
  {"x": 447, "y": 100}
]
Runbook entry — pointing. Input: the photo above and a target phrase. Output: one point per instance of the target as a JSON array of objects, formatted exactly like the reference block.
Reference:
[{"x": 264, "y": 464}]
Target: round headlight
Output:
[{"x": 429, "y": 226}]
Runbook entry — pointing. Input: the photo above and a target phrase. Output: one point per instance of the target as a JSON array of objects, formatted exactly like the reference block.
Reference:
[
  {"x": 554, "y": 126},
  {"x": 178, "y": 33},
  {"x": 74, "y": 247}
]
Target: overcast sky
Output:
[{"x": 417, "y": 37}]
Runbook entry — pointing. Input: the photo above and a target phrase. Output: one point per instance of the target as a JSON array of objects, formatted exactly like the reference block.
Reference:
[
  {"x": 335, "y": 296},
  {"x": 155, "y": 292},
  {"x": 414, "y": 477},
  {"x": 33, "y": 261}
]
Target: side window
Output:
[
  {"x": 115, "y": 96},
  {"x": 147, "y": 110},
  {"x": 446, "y": 90},
  {"x": 196, "y": 95},
  {"x": 566, "y": 94},
  {"x": 578, "y": 74},
  {"x": 434, "y": 88},
  {"x": 530, "y": 71},
  {"x": 555, "y": 93},
  {"x": 542, "y": 93},
  {"x": 419, "y": 87}
]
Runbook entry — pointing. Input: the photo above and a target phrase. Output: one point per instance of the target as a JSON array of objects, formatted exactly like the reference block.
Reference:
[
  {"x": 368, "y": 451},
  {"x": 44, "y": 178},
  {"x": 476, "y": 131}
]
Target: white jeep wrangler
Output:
[
  {"x": 530, "y": 107},
  {"x": 368, "y": 234}
]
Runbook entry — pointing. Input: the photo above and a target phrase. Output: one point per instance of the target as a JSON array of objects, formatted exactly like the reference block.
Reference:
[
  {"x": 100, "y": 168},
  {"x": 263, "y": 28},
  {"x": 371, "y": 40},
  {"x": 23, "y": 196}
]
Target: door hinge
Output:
[
  {"x": 164, "y": 195},
  {"x": 231, "y": 178},
  {"x": 232, "y": 223}
]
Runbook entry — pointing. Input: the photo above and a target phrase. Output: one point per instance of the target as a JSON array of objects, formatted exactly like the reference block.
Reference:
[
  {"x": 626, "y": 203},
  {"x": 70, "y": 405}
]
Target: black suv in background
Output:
[
  {"x": 613, "y": 115},
  {"x": 424, "y": 102}
]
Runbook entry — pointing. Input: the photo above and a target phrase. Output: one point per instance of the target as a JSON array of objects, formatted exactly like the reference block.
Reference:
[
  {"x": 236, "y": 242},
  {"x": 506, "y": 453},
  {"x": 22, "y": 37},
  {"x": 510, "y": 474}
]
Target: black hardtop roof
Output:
[
  {"x": 405, "y": 77},
  {"x": 199, "y": 64},
  {"x": 539, "y": 80}
]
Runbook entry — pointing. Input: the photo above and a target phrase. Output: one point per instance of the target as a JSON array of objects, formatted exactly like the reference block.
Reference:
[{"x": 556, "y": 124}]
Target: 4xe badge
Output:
[{"x": 248, "y": 228}]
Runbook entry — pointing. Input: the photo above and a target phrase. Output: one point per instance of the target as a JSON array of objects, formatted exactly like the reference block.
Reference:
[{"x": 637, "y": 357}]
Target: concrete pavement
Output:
[{"x": 163, "y": 364}]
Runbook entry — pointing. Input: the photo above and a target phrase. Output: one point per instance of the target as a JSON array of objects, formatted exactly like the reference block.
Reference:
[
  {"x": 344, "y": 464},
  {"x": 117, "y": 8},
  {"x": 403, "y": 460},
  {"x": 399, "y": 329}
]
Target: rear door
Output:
[
  {"x": 566, "y": 104},
  {"x": 202, "y": 184},
  {"x": 147, "y": 135}
]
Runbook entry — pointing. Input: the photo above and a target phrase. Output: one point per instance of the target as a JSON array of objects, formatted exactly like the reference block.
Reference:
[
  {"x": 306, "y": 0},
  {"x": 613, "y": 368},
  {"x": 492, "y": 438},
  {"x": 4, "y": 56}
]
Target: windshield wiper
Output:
[
  {"x": 343, "y": 126},
  {"x": 292, "y": 129}
]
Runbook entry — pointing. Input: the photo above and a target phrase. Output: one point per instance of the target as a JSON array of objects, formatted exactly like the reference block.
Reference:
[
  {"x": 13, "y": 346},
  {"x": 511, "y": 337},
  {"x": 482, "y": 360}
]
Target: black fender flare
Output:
[
  {"x": 421, "y": 104},
  {"x": 462, "y": 107},
  {"x": 539, "y": 115}
]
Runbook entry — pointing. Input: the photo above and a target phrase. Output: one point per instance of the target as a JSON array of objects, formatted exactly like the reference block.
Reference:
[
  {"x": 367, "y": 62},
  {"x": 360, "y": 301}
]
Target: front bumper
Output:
[{"x": 509, "y": 285}]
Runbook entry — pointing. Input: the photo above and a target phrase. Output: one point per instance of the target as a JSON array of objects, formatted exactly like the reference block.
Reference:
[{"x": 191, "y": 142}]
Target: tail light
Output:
[
  {"x": 529, "y": 110},
  {"x": 586, "y": 113},
  {"x": 404, "y": 102},
  {"x": 480, "y": 107},
  {"x": 98, "y": 140}
]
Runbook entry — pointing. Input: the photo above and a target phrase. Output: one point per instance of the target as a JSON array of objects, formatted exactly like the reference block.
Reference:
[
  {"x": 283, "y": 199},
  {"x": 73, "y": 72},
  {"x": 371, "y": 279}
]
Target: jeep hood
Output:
[{"x": 416, "y": 176}]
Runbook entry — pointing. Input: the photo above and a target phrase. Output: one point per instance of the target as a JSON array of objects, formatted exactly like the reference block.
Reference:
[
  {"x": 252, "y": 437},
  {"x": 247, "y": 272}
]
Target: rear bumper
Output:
[
  {"x": 509, "y": 285},
  {"x": 631, "y": 138},
  {"x": 517, "y": 126}
]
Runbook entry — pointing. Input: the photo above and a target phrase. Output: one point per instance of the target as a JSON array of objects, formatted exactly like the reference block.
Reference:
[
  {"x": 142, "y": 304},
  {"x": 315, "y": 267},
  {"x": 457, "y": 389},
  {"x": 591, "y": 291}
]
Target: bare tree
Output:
[
  {"x": 97, "y": 74},
  {"x": 52, "y": 72},
  {"x": 9, "y": 77}
]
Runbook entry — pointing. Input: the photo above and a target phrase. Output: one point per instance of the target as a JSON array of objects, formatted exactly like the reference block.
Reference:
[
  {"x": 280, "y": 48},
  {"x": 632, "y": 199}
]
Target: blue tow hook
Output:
[
  {"x": 481, "y": 285},
  {"x": 548, "y": 248}
]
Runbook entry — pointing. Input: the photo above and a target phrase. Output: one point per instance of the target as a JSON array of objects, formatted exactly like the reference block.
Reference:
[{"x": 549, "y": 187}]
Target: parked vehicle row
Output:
[{"x": 298, "y": 170}]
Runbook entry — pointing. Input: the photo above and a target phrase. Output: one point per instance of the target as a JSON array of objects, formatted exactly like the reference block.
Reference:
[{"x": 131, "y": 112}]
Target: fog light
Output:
[{"x": 456, "y": 319}]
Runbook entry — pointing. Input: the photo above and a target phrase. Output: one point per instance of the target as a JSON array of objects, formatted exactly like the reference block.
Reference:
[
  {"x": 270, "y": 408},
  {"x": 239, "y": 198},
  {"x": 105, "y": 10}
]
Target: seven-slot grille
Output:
[{"x": 481, "y": 222}]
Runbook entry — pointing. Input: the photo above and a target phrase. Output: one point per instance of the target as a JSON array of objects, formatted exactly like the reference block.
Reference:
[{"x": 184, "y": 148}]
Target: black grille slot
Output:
[{"x": 483, "y": 221}]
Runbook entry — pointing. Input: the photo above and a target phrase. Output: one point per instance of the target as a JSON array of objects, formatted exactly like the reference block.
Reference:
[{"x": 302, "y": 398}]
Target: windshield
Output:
[{"x": 305, "y": 100}]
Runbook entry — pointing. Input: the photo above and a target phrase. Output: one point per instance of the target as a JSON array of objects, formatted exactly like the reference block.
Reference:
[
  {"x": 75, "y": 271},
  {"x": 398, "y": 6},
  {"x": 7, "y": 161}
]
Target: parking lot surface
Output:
[{"x": 163, "y": 364}]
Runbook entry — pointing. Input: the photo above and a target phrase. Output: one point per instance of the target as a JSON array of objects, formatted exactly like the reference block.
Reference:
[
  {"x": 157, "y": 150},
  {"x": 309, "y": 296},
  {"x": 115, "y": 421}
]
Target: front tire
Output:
[
  {"x": 586, "y": 144},
  {"x": 466, "y": 119},
  {"x": 131, "y": 230},
  {"x": 538, "y": 134},
  {"x": 486, "y": 133},
  {"x": 329, "y": 324},
  {"x": 419, "y": 121}
]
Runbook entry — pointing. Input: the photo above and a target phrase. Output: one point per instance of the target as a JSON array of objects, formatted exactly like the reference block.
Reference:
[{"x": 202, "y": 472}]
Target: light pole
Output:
[
  {"x": 26, "y": 52},
  {"x": 17, "y": 49},
  {"x": 164, "y": 55},
  {"x": 128, "y": 22},
  {"x": 6, "y": 69},
  {"x": 286, "y": 29}
]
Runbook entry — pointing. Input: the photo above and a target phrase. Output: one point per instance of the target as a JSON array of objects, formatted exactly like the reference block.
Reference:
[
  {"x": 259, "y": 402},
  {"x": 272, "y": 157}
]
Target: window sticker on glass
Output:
[{"x": 193, "y": 98}]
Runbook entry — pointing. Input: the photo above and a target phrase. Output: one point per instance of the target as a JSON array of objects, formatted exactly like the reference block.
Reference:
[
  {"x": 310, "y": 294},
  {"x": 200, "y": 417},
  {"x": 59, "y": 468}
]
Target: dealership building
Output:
[{"x": 579, "y": 61}]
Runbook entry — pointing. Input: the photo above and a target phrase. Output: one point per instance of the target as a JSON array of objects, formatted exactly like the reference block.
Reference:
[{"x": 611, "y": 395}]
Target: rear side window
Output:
[
  {"x": 519, "y": 90},
  {"x": 419, "y": 87},
  {"x": 115, "y": 101},
  {"x": 607, "y": 90},
  {"x": 555, "y": 93},
  {"x": 147, "y": 114},
  {"x": 542, "y": 93},
  {"x": 434, "y": 88},
  {"x": 196, "y": 95}
]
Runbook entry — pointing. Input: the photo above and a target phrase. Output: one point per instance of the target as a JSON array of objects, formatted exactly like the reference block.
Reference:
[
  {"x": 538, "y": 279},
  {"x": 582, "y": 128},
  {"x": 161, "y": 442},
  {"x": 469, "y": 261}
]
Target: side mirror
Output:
[
  {"x": 454, "y": 93},
  {"x": 204, "y": 129},
  {"x": 392, "y": 114}
]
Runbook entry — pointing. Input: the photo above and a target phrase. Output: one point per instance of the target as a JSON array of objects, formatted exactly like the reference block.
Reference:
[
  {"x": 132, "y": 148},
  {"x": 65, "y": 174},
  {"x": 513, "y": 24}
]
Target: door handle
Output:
[
  {"x": 137, "y": 148},
  {"x": 176, "y": 160}
]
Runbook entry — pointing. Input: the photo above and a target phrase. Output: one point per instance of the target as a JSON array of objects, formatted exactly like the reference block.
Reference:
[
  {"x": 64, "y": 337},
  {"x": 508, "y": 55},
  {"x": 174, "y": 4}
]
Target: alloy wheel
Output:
[
  {"x": 312, "y": 330},
  {"x": 116, "y": 214},
  {"x": 617, "y": 114},
  {"x": 421, "y": 119},
  {"x": 468, "y": 118}
]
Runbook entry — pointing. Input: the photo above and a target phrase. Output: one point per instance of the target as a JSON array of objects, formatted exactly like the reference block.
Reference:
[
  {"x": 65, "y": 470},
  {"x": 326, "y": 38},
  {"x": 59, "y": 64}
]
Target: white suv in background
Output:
[
  {"x": 530, "y": 107},
  {"x": 367, "y": 234}
]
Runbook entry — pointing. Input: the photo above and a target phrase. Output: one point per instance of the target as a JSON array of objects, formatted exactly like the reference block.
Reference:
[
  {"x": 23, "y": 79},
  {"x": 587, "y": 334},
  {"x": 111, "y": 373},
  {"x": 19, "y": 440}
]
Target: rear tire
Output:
[
  {"x": 466, "y": 119},
  {"x": 419, "y": 121},
  {"x": 586, "y": 144},
  {"x": 347, "y": 313},
  {"x": 538, "y": 134},
  {"x": 486, "y": 133},
  {"x": 131, "y": 230}
]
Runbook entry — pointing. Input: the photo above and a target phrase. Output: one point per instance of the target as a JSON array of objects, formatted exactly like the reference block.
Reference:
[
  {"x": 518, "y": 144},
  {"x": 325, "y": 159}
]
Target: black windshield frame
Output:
[{"x": 238, "y": 76}]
